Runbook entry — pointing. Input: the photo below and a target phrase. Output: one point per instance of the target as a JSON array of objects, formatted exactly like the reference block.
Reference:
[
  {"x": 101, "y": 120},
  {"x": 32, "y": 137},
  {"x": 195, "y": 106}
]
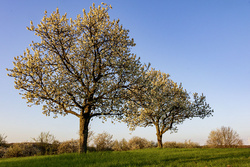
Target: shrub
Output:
[
  {"x": 70, "y": 146},
  {"x": 29, "y": 149},
  {"x": 139, "y": 143},
  {"x": 2, "y": 151},
  {"x": 120, "y": 145},
  {"x": 186, "y": 144},
  {"x": 46, "y": 143},
  {"x": 103, "y": 141},
  {"x": 116, "y": 146},
  {"x": 14, "y": 151},
  {"x": 190, "y": 144},
  {"x": 45, "y": 137},
  {"x": 21, "y": 150},
  {"x": 53, "y": 148},
  {"x": 224, "y": 137},
  {"x": 170, "y": 145}
]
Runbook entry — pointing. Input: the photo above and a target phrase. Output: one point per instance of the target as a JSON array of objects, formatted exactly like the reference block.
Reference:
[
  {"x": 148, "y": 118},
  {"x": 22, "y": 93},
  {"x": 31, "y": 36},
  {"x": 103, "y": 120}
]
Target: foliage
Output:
[
  {"x": 103, "y": 141},
  {"x": 14, "y": 151},
  {"x": 21, "y": 150},
  {"x": 146, "y": 157},
  {"x": 139, "y": 143},
  {"x": 47, "y": 143},
  {"x": 82, "y": 67},
  {"x": 2, "y": 151},
  {"x": 3, "y": 140},
  {"x": 120, "y": 145},
  {"x": 224, "y": 137},
  {"x": 170, "y": 144},
  {"x": 186, "y": 144},
  {"x": 70, "y": 146},
  {"x": 164, "y": 104},
  {"x": 45, "y": 137}
]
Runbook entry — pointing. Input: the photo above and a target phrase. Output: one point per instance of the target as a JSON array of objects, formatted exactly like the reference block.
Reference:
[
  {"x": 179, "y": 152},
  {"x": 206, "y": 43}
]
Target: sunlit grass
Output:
[{"x": 147, "y": 157}]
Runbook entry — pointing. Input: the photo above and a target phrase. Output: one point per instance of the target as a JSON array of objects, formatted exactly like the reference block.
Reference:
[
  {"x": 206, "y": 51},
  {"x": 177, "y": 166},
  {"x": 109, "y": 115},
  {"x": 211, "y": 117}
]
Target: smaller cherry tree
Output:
[{"x": 164, "y": 104}]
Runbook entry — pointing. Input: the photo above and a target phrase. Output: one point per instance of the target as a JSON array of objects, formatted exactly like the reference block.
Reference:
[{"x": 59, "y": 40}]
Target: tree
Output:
[
  {"x": 103, "y": 141},
  {"x": 3, "y": 139},
  {"x": 224, "y": 137},
  {"x": 164, "y": 104},
  {"x": 45, "y": 137},
  {"x": 46, "y": 143},
  {"x": 82, "y": 67}
]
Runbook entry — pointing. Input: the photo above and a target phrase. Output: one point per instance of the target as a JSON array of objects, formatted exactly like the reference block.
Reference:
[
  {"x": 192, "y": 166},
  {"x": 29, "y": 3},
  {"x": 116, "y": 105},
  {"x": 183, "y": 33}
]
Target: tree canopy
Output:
[
  {"x": 164, "y": 104},
  {"x": 81, "y": 66}
]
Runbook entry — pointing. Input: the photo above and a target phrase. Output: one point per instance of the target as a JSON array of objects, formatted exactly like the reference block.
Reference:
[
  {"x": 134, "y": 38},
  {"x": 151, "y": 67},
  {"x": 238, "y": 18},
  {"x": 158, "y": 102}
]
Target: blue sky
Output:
[{"x": 203, "y": 44}]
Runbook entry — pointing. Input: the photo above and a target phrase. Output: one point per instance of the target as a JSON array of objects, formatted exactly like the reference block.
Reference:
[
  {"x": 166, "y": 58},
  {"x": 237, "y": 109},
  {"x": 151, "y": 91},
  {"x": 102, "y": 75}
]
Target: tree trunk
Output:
[
  {"x": 84, "y": 124},
  {"x": 159, "y": 135},
  {"x": 159, "y": 140}
]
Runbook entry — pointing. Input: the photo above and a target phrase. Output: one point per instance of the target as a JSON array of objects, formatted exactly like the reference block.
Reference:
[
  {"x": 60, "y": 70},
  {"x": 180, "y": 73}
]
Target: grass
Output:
[{"x": 233, "y": 157}]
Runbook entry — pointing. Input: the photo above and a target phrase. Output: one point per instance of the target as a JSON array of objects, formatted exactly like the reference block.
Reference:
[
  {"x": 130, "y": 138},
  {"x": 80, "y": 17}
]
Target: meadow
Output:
[{"x": 174, "y": 157}]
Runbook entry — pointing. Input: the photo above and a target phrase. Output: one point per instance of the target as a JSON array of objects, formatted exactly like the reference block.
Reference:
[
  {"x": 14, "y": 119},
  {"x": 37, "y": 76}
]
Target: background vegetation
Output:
[
  {"x": 46, "y": 144},
  {"x": 224, "y": 137}
]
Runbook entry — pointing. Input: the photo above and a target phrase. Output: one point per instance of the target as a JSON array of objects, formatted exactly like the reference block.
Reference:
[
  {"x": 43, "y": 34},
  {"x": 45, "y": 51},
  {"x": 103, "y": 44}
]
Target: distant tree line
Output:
[{"x": 46, "y": 144}]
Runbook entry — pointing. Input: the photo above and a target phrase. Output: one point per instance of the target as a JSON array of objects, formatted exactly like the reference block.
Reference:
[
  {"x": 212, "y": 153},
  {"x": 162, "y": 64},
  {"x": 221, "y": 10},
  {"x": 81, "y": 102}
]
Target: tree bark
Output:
[
  {"x": 84, "y": 124},
  {"x": 158, "y": 134},
  {"x": 159, "y": 140}
]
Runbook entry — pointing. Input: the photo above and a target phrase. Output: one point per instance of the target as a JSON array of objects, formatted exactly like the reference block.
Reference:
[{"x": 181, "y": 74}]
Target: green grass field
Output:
[{"x": 234, "y": 157}]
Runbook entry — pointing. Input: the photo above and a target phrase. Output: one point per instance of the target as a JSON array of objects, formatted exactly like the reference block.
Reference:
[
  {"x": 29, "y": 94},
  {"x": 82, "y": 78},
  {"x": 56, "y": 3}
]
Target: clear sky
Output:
[{"x": 203, "y": 44}]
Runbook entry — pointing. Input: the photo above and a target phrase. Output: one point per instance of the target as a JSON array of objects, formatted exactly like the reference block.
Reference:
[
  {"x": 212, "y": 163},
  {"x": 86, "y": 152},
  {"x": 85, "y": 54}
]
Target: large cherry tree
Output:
[{"x": 81, "y": 66}]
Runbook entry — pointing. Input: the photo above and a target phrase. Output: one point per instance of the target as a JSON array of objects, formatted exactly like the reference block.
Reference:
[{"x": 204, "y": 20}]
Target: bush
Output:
[
  {"x": 116, "y": 146},
  {"x": 170, "y": 145},
  {"x": 21, "y": 150},
  {"x": 29, "y": 149},
  {"x": 224, "y": 137},
  {"x": 103, "y": 141},
  {"x": 186, "y": 144},
  {"x": 14, "y": 151},
  {"x": 2, "y": 151},
  {"x": 120, "y": 145},
  {"x": 139, "y": 143},
  {"x": 70, "y": 146},
  {"x": 53, "y": 148},
  {"x": 190, "y": 144},
  {"x": 46, "y": 143}
]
